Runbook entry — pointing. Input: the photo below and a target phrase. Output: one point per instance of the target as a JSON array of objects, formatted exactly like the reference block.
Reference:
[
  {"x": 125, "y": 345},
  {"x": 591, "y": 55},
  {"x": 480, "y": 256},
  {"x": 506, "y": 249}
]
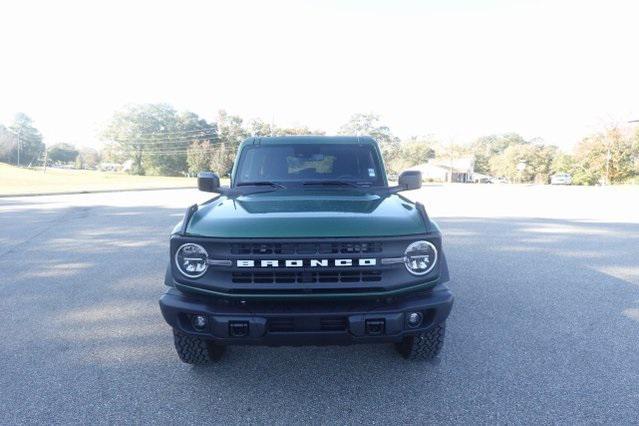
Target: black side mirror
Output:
[
  {"x": 410, "y": 179},
  {"x": 208, "y": 182}
]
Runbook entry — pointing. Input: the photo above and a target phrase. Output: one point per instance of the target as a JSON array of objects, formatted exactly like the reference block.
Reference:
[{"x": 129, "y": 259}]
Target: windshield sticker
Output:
[{"x": 371, "y": 172}]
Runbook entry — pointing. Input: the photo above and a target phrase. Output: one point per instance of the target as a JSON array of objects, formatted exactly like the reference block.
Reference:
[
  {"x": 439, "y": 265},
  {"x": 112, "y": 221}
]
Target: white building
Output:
[{"x": 462, "y": 170}]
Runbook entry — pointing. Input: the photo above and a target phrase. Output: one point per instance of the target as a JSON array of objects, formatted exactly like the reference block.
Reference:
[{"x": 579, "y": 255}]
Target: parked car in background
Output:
[
  {"x": 499, "y": 180},
  {"x": 481, "y": 178},
  {"x": 561, "y": 179}
]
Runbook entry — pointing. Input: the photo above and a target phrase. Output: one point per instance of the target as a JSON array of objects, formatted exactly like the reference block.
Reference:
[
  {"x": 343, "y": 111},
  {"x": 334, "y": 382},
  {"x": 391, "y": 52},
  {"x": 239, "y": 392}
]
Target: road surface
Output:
[{"x": 545, "y": 326}]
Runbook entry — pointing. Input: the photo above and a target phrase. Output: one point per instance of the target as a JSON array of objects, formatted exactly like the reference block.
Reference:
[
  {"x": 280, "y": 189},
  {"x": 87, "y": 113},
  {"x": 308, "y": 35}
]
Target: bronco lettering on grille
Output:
[{"x": 300, "y": 263}]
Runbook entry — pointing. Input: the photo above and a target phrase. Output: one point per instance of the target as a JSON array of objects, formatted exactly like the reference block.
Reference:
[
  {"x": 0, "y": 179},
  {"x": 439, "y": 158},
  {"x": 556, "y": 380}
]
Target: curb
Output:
[{"x": 97, "y": 191}]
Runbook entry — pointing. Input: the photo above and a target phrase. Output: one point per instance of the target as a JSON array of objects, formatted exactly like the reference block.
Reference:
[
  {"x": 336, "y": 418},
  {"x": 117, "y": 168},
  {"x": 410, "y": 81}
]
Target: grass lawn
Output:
[{"x": 14, "y": 181}]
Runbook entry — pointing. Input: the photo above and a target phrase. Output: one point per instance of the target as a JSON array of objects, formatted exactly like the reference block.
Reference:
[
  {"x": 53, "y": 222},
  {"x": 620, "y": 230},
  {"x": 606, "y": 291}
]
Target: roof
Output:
[
  {"x": 480, "y": 176},
  {"x": 461, "y": 165},
  {"x": 464, "y": 164},
  {"x": 311, "y": 139},
  {"x": 426, "y": 167}
]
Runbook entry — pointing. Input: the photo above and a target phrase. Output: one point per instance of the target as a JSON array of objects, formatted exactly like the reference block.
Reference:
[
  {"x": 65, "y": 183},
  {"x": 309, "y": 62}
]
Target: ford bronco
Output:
[{"x": 309, "y": 245}]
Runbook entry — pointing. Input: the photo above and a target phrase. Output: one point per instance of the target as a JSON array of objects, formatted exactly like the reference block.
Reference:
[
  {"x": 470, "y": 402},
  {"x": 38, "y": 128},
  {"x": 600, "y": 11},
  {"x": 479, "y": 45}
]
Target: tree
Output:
[
  {"x": 230, "y": 130},
  {"x": 230, "y": 134},
  {"x": 62, "y": 153},
  {"x": 222, "y": 157},
  {"x": 620, "y": 158},
  {"x": 190, "y": 129},
  {"x": 297, "y": 131},
  {"x": 563, "y": 163},
  {"x": 635, "y": 154},
  {"x": 487, "y": 147},
  {"x": 525, "y": 162},
  {"x": 370, "y": 125},
  {"x": 156, "y": 137},
  {"x": 258, "y": 127},
  {"x": 28, "y": 145},
  {"x": 607, "y": 157},
  {"x": 88, "y": 158},
  {"x": 199, "y": 157},
  {"x": 544, "y": 156},
  {"x": 112, "y": 152},
  {"x": 414, "y": 151},
  {"x": 7, "y": 144}
]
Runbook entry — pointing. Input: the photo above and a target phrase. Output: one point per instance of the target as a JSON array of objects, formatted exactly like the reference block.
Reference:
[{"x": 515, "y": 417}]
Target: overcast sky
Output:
[{"x": 457, "y": 69}]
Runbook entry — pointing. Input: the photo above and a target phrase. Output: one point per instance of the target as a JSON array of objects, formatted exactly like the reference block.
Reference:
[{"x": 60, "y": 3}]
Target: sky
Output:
[{"x": 457, "y": 69}]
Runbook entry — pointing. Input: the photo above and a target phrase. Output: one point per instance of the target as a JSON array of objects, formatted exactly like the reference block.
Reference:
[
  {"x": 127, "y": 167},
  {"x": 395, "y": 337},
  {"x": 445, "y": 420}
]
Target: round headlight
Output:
[
  {"x": 191, "y": 260},
  {"x": 420, "y": 257}
]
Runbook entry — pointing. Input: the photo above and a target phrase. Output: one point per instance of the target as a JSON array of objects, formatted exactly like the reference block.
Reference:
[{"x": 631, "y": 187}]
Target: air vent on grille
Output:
[
  {"x": 307, "y": 324},
  {"x": 333, "y": 324},
  {"x": 307, "y": 248},
  {"x": 306, "y": 277}
]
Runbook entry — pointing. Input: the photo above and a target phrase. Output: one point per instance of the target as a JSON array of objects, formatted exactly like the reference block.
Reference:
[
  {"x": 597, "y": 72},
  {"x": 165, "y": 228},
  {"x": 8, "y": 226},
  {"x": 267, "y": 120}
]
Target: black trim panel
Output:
[{"x": 317, "y": 295}]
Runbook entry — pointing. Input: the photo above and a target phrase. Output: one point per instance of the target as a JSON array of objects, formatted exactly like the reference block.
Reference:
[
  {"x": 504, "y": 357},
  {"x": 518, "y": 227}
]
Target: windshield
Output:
[{"x": 309, "y": 163}]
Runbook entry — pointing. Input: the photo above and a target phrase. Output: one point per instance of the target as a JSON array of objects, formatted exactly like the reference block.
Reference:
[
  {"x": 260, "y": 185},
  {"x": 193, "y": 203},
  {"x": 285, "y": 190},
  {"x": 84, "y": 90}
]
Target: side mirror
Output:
[
  {"x": 410, "y": 179},
  {"x": 208, "y": 182}
]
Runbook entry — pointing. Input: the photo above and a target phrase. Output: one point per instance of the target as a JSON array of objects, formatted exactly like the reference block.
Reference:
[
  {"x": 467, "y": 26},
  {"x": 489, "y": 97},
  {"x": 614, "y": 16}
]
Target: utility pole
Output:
[
  {"x": 19, "y": 134},
  {"x": 450, "y": 175},
  {"x": 608, "y": 164},
  {"x": 451, "y": 158},
  {"x": 46, "y": 152},
  {"x": 608, "y": 142},
  {"x": 272, "y": 123}
]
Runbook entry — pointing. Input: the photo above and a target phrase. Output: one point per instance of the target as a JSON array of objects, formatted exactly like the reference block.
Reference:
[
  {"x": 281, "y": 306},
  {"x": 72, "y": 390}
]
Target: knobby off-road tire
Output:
[
  {"x": 424, "y": 346},
  {"x": 193, "y": 350}
]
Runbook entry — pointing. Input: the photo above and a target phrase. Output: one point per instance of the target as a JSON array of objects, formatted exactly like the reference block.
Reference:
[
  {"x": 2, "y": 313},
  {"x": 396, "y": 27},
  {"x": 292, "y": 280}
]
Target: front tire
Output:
[
  {"x": 424, "y": 346},
  {"x": 196, "y": 351}
]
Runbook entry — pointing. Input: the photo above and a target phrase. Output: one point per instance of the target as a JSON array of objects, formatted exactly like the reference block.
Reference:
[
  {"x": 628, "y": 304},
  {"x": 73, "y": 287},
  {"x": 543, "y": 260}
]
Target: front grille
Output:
[
  {"x": 306, "y": 277},
  {"x": 284, "y": 324},
  {"x": 307, "y": 248}
]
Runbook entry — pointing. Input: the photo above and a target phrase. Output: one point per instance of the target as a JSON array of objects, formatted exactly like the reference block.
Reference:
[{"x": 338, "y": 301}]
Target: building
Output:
[{"x": 440, "y": 170}]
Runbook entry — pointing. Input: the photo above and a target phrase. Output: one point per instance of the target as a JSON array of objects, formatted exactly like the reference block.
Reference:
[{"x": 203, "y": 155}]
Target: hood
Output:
[{"x": 307, "y": 214}]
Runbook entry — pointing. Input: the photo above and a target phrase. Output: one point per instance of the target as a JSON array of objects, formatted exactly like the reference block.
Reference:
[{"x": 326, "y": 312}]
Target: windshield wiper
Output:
[{"x": 262, "y": 183}]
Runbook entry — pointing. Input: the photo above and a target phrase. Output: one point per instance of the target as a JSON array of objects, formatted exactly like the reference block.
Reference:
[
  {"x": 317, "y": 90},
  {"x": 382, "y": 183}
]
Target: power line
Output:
[
  {"x": 168, "y": 139},
  {"x": 163, "y": 142},
  {"x": 159, "y": 154},
  {"x": 27, "y": 138},
  {"x": 161, "y": 151},
  {"x": 166, "y": 151},
  {"x": 179, "y": 132},
  {"x": 172, "y": 135},
  {"x": 180, "y": 139},
  {"x": 159, "y": 144},
  {"x": 163, "y": 147}
]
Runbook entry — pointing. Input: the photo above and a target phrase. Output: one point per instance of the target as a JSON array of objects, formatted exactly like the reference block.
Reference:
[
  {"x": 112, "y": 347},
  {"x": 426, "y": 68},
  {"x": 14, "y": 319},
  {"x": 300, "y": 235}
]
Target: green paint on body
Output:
[{"x": 307, "y": 214}]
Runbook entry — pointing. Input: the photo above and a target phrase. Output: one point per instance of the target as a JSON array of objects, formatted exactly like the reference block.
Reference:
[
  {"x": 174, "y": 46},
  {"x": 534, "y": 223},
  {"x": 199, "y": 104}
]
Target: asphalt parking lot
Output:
[{"x": 545, "y": 327}]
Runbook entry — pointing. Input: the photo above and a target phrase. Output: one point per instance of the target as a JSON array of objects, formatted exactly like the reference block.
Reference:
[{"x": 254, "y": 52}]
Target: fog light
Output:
[
  {"x": 199, "y": 322},
  {"x": 375, "y": 327},
  {"x": 238, "y": 328},
  {"x": 414, "y": 319}
]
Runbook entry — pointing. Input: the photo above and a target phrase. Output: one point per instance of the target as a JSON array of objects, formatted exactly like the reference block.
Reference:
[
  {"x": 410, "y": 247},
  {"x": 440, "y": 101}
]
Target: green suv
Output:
[{"x": 309, "y": 245}]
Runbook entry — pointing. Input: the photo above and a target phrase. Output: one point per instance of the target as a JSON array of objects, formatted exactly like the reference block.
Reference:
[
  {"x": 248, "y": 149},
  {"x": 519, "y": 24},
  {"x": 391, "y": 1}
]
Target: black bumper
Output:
[{"x": 305, "y": 323}]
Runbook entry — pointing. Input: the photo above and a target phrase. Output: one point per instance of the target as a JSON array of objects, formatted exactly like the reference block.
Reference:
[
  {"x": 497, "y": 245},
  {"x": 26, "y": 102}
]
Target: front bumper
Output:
[{"x": 305, "y": 323}]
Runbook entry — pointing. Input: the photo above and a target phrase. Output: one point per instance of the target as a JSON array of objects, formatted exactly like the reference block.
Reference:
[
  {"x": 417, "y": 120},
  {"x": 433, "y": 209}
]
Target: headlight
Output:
[
  {"x": 420, "y": 257},
  {"x": 191, "y": 260}
]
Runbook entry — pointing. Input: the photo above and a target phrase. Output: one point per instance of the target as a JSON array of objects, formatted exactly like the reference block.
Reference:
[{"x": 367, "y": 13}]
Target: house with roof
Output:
[{"x": 447, "y": 170}]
